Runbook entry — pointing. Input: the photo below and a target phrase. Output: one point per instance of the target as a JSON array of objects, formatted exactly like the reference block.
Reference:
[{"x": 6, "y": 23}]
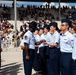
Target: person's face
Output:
[
  {"x": 45, "y": 30},
  {"x": 0, "y": 22},
  {"x": 72, "y": 31},
  {"x": 32, "y": 29},
  {"x": 40, "y": 32},
  {"x": 64, "y": 26},
  {"x": 52, "y": 28},
  {"x": 74, "y": 24},
  {"x": 36, "y": 32}
]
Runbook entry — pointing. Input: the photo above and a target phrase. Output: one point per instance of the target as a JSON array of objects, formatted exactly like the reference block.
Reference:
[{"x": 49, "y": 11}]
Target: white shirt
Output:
[
  {"x": 54, "y": 38},
  {"x": 74, "y": 48},
  {"x": 42, "y": 38},
  {"x": 66, "y": 42},
  {"x": 22, "y": 42},
  {"x": 37, "y": 38},
  {"x": 29, "y": 39},
  {"x": 47, "y": 38}
]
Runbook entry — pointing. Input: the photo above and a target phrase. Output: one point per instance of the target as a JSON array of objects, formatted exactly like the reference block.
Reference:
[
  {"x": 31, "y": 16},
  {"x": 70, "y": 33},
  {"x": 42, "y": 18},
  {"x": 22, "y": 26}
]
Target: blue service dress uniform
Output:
[
  {"x": 54, "y": 54},
  {"x": 74, "y": 56},
  {"x": 42, "y": 55},
  {"x": 47, "y": 37},
  {"x": 36, "y": 62},
  {"x": 30, "y": 40},
  {"x": 47, "y": 51},
  {"x": 66, "y": 45}
]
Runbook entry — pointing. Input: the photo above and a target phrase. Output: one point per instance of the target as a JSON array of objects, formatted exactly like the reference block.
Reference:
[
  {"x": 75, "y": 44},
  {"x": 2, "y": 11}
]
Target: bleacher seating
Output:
[{"x": 54, "y": 12}]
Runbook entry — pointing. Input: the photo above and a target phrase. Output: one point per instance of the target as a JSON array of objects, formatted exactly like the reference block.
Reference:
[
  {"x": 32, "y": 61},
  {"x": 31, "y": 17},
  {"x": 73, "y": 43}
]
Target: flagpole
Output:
[
  {"x": 15, "y": 18},
  {"x": 59, "y": 11}
]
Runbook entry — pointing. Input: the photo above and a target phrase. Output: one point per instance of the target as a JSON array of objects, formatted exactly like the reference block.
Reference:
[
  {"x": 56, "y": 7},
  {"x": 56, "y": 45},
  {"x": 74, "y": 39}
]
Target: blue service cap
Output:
[
  {"x": 37, "y": 29},
  {"x": 46, "y": 26},
  {"x": 67, "y": 21},
  {"x": 41, "y": 28},
  {"x": 74, "y": 17},
  {"x": 54, "y": 24},
  {"x": 33, "y": 24}
]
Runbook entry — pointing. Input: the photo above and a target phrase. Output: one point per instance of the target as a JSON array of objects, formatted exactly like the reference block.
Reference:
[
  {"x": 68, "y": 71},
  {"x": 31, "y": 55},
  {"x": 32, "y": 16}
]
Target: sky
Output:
[{"x": 9, "y": 3}]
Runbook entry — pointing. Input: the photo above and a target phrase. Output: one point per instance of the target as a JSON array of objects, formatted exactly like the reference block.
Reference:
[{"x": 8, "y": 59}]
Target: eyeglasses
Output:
[
  {"x": 74, "y": 23},
  {"x": 63, "y": 25}
]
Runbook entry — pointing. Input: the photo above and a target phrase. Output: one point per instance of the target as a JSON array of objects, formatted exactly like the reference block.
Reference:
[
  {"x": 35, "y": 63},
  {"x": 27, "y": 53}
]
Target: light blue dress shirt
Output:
[
  {"x": 29, "y": 39},
  {"x": 42, "y": 37},
  {"x": 74, "y": 48},
  {"x": 66, "y": 42},
  {"x": 47, "y": 37},
  {"x": 54, "y": 38},
  {"x": 37, "y": 38}
]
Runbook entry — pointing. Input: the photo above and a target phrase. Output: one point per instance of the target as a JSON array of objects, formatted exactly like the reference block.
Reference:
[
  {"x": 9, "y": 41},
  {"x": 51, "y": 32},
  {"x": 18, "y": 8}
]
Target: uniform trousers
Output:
[
  {"x": 28, "y": 63},
  {"x": 42, "y": 60},
  {"x": 0, "y": 55},
  {"x": 53, "y": 61},
  {"x": 66, "y": 63},
  {"x": 0, "y": 59},
  {"x": 36, "y": 62},
  {"x": 74, "y": 67}
]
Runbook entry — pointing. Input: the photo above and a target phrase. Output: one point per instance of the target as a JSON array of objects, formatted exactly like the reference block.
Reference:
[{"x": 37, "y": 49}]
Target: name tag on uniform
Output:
[{"x": 65, "y": 39}]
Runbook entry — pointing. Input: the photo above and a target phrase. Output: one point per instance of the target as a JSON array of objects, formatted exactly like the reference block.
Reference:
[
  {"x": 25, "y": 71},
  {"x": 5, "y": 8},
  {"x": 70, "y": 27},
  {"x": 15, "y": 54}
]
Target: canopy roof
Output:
[{"x": 49, "y": 0}]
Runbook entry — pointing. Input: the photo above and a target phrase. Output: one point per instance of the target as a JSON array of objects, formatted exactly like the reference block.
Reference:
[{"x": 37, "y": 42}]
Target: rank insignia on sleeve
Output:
[{"x": 25, "y": 37}]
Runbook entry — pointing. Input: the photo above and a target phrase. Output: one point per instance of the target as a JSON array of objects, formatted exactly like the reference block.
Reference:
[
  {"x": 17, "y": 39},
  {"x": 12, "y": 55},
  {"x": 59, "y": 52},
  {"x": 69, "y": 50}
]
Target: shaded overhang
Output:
[{"x": 71, "y": 1}]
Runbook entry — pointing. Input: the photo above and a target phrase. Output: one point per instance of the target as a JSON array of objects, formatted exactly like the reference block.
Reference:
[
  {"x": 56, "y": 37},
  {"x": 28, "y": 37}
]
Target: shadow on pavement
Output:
[{"x": 10, "y": 69}]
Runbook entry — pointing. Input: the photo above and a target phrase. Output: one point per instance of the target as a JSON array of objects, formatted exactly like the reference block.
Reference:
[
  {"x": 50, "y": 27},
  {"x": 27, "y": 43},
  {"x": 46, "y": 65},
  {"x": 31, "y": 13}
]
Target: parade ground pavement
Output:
[{"x": 11, "y": 62}]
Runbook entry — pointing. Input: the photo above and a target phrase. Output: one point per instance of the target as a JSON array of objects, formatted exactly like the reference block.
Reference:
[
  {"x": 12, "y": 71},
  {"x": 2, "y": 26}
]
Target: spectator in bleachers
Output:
[
  {"x": 0, "y": 5},
  {"x": 1, "y": 17},
  {"x": 0, "y": 48},
  {"x": 5, "y": 26},
  {"x": 6, "y": 12}
]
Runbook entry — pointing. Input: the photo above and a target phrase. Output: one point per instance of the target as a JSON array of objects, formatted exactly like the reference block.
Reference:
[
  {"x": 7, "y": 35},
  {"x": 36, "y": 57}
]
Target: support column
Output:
[
  {"x": 15, "y": 19},
  {"x": 59, "y": 11}
]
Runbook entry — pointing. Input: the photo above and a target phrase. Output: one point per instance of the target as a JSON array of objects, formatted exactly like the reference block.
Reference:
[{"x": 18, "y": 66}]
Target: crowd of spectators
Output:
[
  {"x": 6, "y": 29},
  {"x": 5, "y": 13},
  {"x": 43, "y": 11},
  {"x": 5, "y": 26},
  {"x": 36, "y": 12},
  {"x": 67, "y": 14}
]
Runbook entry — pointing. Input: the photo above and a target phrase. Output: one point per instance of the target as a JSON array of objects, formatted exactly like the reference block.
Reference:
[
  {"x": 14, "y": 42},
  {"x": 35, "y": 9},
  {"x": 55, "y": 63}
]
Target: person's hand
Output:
[
  {"x": 48, "y": 44},
  {"x": 44, "y": 42},
  {"x": 27, "y": 57},
  {"x": 0, "y": 49},
  {"x": 22, "y": 47},
  {"x": 41, "y": 41}
]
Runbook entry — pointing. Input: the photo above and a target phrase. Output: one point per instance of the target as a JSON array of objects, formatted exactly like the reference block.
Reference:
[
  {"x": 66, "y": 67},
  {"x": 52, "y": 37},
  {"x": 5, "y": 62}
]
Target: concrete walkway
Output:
[{"x": 12, "y": 63}]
